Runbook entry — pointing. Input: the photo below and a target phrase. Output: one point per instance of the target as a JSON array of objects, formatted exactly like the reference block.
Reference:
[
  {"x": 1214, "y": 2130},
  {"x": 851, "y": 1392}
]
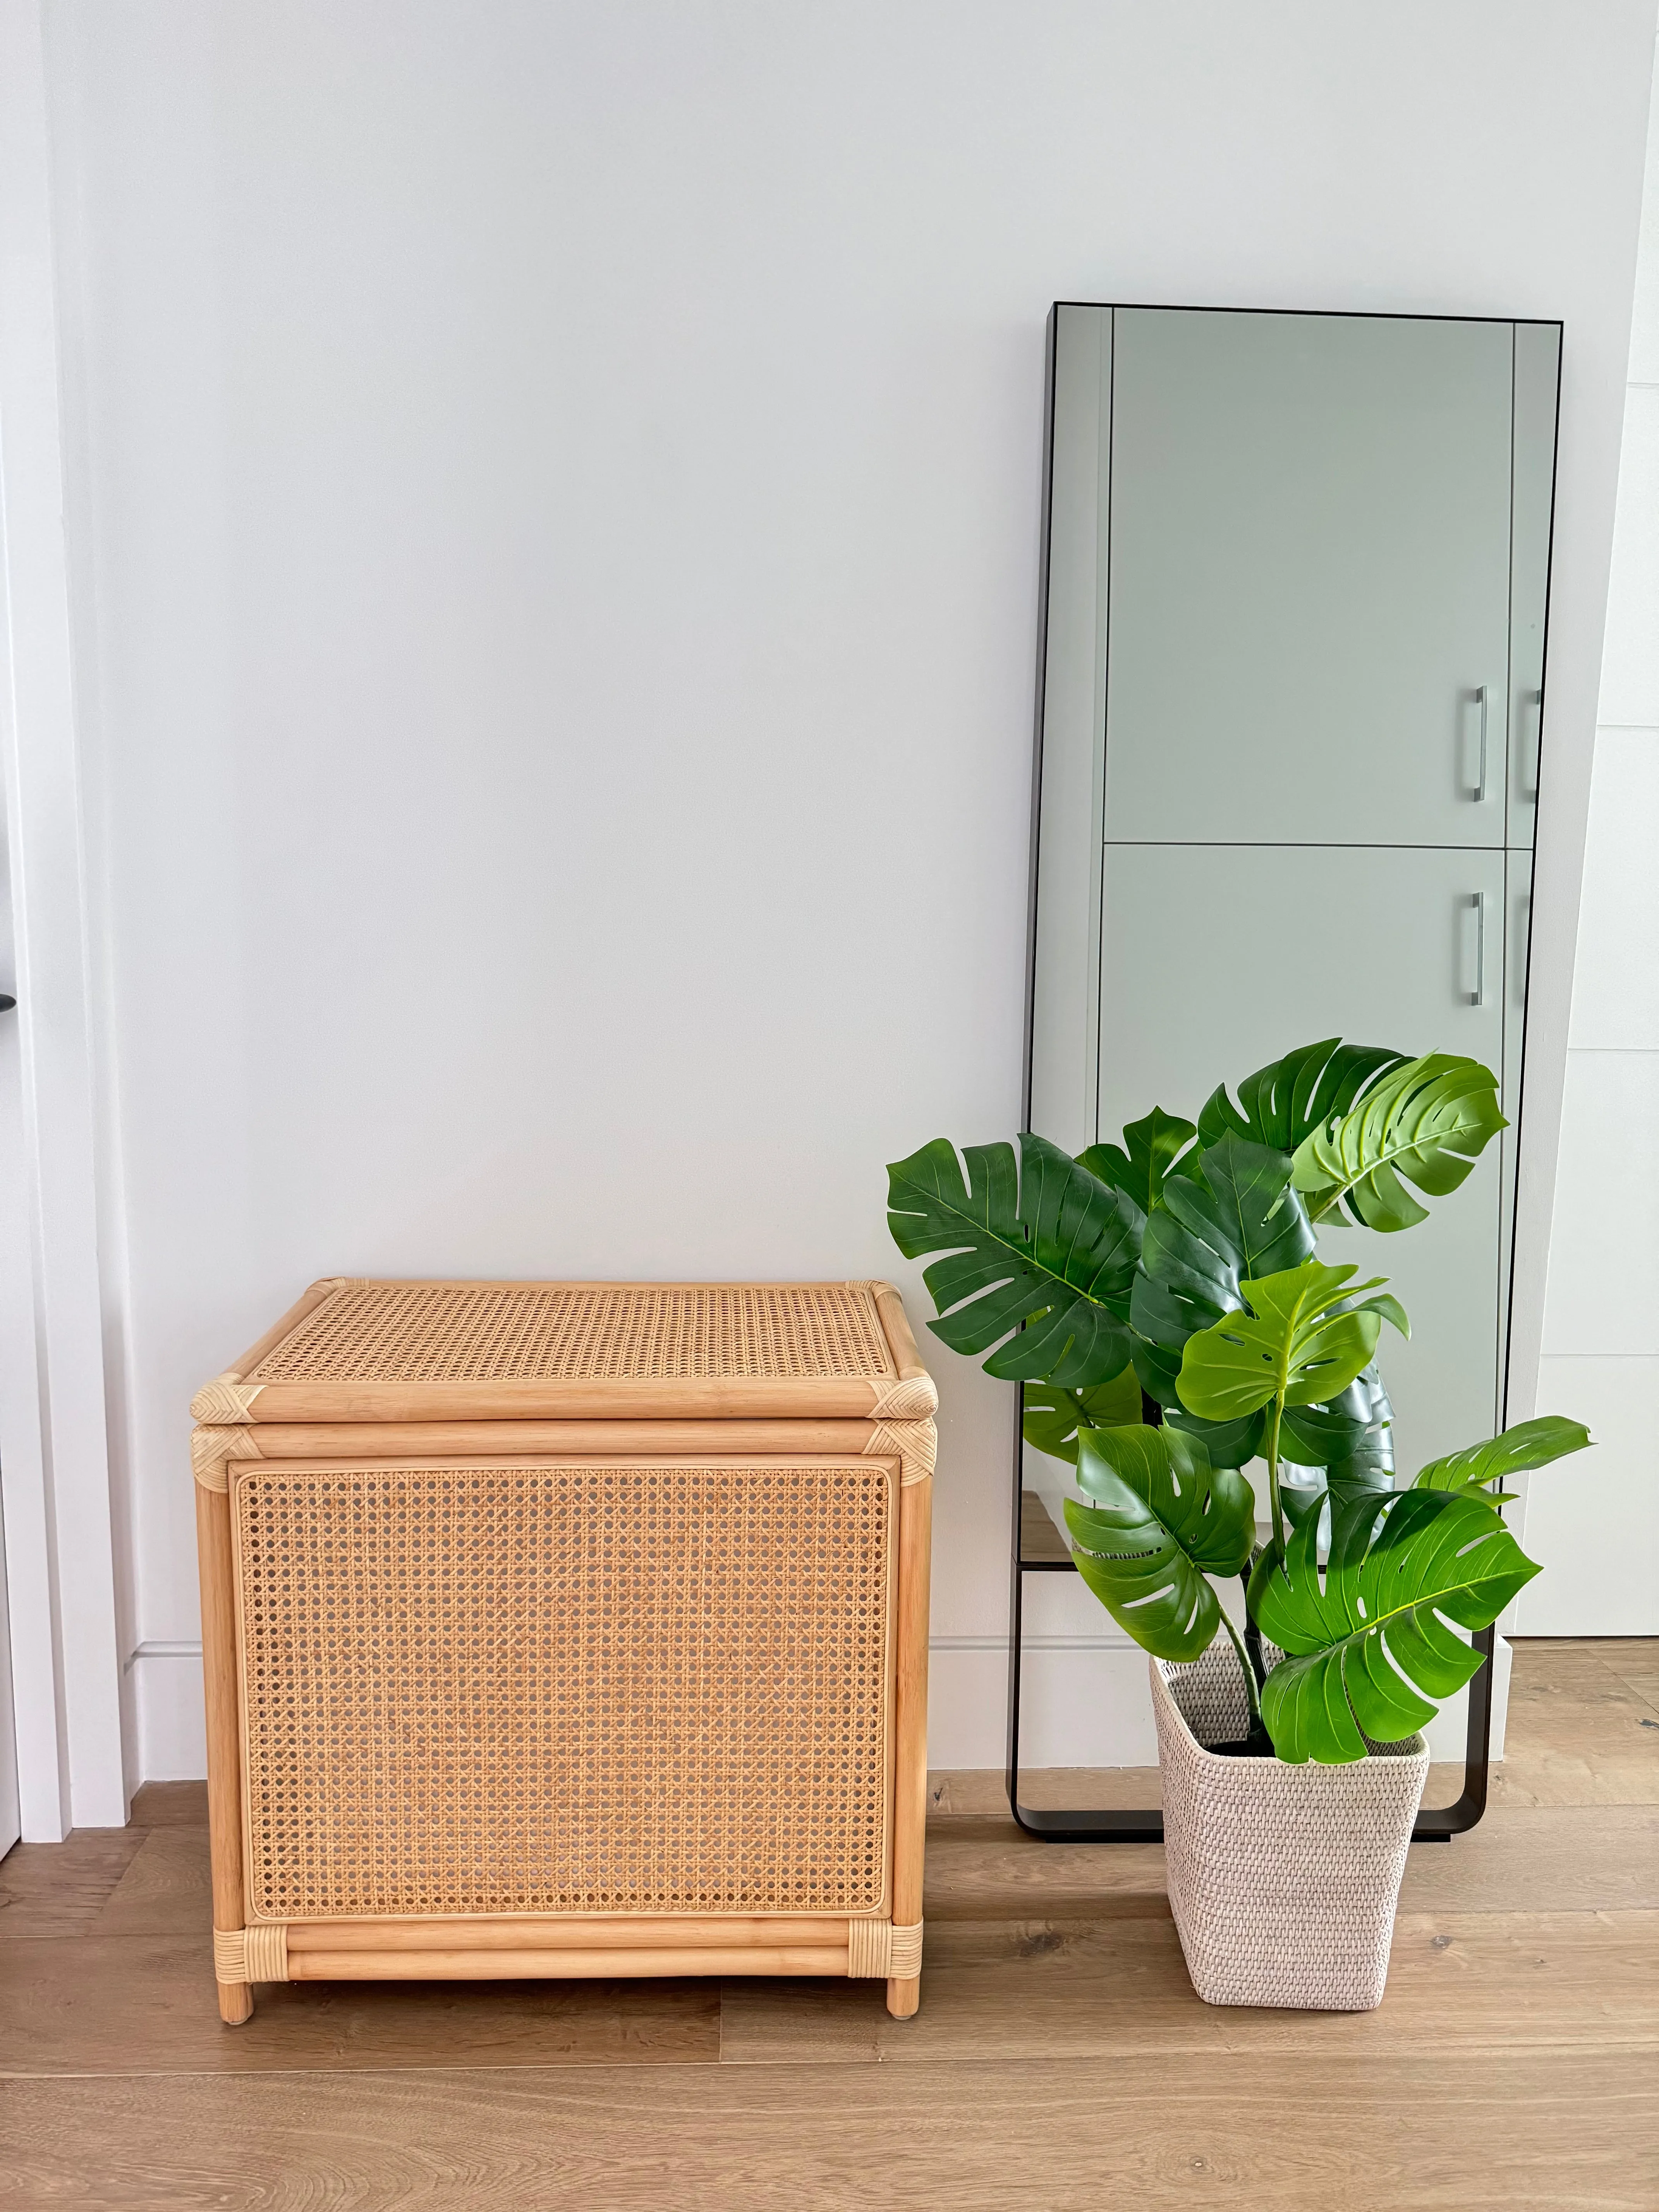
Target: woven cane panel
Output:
[
  {"x": 583, "y": 1688},
  {"x": 542, "y": 1331}
]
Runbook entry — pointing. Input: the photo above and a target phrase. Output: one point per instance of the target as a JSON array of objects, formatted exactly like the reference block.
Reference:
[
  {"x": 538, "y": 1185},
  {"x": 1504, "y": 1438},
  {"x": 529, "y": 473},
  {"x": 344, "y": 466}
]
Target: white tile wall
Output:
[
  {"x": 1572, "y": 1507},
  {"x": 1593, "y": 1520},
  {"x": 1645, "y": 327},
  {"x": 1630, "y": 663},
  {"x": 1603, "y": 1296},
  {"x": 1615, "y": 999}
]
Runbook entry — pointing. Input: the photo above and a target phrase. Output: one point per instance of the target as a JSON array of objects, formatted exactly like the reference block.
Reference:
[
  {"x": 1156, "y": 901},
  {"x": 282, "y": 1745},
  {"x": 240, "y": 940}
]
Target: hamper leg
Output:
[
  {"x": 224, "y": 1734},
  {"x": 910, "y": 1774}
]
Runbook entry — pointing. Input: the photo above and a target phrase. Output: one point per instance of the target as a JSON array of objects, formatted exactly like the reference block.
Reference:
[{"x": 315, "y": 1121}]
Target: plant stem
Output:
[
  {"x": 1252, "y": 1695},
  {"x": 1272, "y": 1474},
  {"x": 1253, "y": 1635}
]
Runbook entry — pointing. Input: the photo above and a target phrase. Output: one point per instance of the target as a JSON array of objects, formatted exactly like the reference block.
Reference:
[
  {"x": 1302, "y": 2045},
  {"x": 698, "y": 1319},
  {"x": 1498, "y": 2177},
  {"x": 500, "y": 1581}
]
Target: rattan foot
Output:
[
  {"x": 904, "y": 1998},
  {"x": 235, "y": 2003}
]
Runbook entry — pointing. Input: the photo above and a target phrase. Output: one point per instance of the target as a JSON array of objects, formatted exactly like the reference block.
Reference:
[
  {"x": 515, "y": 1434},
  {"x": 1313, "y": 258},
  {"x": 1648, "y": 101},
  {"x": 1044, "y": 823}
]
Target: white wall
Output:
[
  {"x": 554, "y": 490},
  {"x": 1593, "y": 1523}
]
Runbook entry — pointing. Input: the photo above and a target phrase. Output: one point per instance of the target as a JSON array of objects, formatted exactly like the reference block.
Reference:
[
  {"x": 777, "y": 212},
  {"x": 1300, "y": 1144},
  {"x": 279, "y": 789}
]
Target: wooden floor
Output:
[{"x": 1059, "y": 2060}]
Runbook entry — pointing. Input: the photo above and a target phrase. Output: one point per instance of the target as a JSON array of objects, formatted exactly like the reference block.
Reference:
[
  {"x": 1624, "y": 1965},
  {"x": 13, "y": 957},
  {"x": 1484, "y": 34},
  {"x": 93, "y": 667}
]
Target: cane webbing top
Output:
[
  {"x": 368, "y": 1332},
  {"x": 586, "y": 1686}
]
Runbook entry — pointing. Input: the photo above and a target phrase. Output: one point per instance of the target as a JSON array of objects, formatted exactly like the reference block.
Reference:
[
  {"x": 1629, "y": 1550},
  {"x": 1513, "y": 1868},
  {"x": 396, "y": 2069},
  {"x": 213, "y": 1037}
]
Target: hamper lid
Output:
[{"x": 355, "y": 1350}]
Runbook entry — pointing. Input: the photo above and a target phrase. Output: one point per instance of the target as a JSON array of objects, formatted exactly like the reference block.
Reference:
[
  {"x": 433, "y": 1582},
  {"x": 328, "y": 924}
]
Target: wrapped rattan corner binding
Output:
[{"x": 567, "y": 1629}]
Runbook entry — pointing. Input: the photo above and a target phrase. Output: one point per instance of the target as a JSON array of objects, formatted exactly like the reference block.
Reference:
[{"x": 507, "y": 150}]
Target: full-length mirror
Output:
[{"x": 1290, "y": 718}]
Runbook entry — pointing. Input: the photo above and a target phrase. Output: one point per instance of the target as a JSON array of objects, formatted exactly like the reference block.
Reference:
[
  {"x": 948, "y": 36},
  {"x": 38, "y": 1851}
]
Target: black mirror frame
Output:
[{"x": 1141, "y": 1825}]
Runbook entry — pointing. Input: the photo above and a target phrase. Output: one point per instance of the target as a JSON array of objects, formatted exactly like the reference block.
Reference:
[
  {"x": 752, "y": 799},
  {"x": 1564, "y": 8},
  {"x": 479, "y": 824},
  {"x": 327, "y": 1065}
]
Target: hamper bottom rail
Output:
[
  {"x": 591, "y": 1948},
  {"x": 493, "y": 1966}
]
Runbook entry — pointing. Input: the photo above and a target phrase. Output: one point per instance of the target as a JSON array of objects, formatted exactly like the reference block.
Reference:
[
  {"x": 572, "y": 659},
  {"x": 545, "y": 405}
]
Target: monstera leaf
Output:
[
  {"x": 1345, "y": 1447},
  {"x": 1229, "y": 1444},
  {"x": 1154, "y": 1147},
  {"x": 1529, "y": 1444},
  {"x": 1052, "y": 1415},
  {"x": 1373, "y": 1648},
  {"x": 1427, "y": 1122},
  {"x": 1350, "y": 1437},
  {"x": 1235, "y": 1216},
  {"x": 1288, "y": 1100},
  {"x": 1046, "y": 1264},
  {"x": 1158, "y": 1521},
  {"x": 1307, "y": 1334}
]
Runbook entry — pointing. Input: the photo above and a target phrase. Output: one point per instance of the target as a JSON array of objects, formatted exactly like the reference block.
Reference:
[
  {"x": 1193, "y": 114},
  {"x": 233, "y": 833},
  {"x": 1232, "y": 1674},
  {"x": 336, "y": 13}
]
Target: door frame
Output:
[{"x": 54, "y": 1434}]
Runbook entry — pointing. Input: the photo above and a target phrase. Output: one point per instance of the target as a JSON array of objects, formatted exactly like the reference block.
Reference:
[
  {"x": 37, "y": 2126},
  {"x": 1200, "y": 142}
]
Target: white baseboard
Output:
[
  {"x": 167, "y": 1684},
  {"x": 1503, "y": 1660},
  {"x": 1085, "y": 1702},
  {"x": 1083, "y": 1697},
  {"x": 967, "y": 1700}
]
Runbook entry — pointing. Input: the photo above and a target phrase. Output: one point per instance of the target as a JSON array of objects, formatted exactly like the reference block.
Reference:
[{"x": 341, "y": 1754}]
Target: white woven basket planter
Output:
[{"x": 1283, "y": 1880}]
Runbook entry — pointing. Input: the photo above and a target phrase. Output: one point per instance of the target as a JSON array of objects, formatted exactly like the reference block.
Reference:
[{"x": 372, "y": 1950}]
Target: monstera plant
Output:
[{"x": 1165, "y": 1304}]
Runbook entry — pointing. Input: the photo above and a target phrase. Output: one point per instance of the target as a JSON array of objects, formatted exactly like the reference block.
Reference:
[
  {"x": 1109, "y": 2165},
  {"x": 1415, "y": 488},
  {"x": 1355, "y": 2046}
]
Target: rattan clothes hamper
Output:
[{"x": 567, "y": 1629}]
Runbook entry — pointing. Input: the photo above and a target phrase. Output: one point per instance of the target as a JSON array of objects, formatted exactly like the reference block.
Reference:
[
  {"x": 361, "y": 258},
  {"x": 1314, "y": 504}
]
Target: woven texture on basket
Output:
[
  {"x": 1283, "y": 1880},
  {"x": 580, "y": 1331},
  {"x": 602, "y": 1687}
]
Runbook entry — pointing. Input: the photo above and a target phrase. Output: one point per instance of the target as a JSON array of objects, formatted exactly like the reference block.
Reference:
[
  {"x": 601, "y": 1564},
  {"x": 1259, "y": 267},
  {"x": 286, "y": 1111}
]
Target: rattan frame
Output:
[{"x": 883, "y": 1418}]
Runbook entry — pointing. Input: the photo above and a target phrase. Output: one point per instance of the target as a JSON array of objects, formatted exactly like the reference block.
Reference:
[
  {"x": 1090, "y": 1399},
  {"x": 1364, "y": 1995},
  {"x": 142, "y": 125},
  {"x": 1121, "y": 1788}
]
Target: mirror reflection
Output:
[{"x": 1291, "y": 693}]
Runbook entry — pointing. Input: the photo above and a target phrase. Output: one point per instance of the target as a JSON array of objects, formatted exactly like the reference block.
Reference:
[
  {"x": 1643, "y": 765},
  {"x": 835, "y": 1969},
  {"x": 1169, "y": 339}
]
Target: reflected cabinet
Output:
[{"x": 1291, "y": 720}]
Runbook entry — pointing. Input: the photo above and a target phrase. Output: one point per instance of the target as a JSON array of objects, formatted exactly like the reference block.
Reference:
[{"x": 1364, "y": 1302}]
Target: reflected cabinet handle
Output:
[
  {"x": 1477, "y": 901},
  {"x": 1480, "y": 791}
]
